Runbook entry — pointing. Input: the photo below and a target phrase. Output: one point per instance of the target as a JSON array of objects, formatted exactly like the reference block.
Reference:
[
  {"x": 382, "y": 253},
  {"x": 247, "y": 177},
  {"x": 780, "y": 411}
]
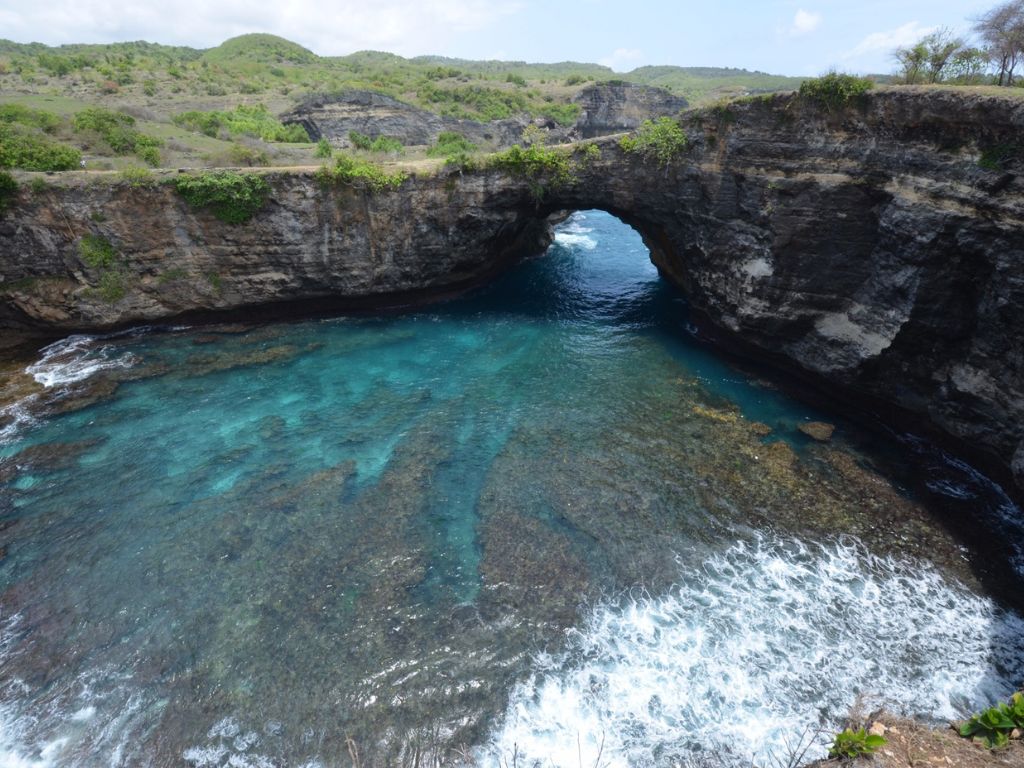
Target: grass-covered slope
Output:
[{"x": 267, "y": 75}]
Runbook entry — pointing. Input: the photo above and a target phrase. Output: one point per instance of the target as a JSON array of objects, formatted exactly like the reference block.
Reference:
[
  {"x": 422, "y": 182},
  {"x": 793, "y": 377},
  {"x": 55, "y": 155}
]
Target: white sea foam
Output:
[
  {"x": 573, "y": 240},
  {"x": 769, "y": 638},
  {"x": 75, "y": 359}
]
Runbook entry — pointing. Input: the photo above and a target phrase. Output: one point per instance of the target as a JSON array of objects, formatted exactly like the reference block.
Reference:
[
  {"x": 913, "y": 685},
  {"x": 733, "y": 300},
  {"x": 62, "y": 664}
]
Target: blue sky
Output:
[{"x": 799, "y": 37}]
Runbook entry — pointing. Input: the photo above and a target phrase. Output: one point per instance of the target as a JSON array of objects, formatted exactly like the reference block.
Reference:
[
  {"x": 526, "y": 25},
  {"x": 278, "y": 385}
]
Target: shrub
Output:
[
  {"x": 231, "y": 197},
  {"x": 137, "y": 177},
  {"x": 994, "y": 726},
  {"x": 387, "y": 145},
  {"x": 24, "y": 148},
  {"x": 450, "y": 144},
  {"x": 149, "y": 155},
  {"x": 360, "y": 140},
  {"x": 850, "y": 744},
  {"x": 36, "y": 118},
  {"x": 515, "y": 79},
  {"x": 239, "y": 154},
  {"x": 575, "y": 79},
  {"x": 243, "y": 120},
  {"x": 323, "y": 148},
  {"x": 661, "y": 140},
  {"x": 541, "y": 166},
  {"x": 835, "y": 90},
  {"x": 563, "y": 114},
  {"x": 149, "y": 87},
  {"x": 118, "y": 131},
  {"x": 8, "y": 189},
  {"x": 97, "y": 252},
  {"x": 359, "y": 173}
]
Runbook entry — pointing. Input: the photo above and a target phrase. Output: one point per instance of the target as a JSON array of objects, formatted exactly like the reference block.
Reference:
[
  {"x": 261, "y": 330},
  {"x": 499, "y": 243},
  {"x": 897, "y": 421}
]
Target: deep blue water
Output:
[{"x": 532, "y": 521}]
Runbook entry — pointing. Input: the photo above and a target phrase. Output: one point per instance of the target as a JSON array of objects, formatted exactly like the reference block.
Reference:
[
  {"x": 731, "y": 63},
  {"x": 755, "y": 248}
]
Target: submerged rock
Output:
[{"x": 818, "y": 430}]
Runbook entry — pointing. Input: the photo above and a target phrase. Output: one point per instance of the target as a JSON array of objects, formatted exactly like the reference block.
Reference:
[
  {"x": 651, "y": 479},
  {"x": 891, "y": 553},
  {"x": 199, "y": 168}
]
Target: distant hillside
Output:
[
  {"x": 266, "y": 64},
  {"x": 186, "y": 100}
]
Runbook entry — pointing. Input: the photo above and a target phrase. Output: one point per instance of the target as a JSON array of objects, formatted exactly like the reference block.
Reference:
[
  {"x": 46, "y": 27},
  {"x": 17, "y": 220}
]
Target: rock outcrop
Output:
[
  {"x": 605, "y": 109},
  {"x": 877, "y": 250},
  {"x": 617, "y": 107},
  {"x": 374, "y": 114}
]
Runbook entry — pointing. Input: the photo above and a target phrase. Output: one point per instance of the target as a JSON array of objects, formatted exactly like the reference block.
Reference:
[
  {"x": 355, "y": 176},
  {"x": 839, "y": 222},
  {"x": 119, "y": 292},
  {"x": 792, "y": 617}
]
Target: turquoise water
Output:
[{"x": 536, "y": 519}]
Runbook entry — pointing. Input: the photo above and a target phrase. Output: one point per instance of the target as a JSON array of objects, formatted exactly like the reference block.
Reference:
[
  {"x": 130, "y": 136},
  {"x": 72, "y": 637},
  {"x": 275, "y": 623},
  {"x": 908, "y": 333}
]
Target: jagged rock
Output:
[
  {"x": 867, "y": 250},
  {"x": 374, "y": 114},
  {"x": 605, "y": 109},
  {"x": 614, "y": 108}
]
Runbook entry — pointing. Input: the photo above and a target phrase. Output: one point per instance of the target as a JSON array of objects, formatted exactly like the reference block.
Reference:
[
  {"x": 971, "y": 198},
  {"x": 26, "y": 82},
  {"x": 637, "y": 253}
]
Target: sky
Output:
[{"x": 793, "y": 37}]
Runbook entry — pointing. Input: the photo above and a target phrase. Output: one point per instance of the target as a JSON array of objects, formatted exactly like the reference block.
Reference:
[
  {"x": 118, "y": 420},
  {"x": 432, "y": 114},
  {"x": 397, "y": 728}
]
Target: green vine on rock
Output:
[{"x": 232, "y": 197}]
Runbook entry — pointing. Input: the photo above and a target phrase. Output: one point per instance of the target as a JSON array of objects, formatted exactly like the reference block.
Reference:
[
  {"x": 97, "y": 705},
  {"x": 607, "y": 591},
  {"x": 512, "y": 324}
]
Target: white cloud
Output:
[
  {"x": 889, "y": 40},
  {"x": 622, "y": 59},
  {"x": 408, "y": 27},
  {"x": 804, "y": 22}
]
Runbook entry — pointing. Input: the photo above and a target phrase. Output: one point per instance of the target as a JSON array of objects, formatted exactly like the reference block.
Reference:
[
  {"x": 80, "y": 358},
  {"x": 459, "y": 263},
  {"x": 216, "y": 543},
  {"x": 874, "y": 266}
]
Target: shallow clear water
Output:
[{"x": 539, "y": 521}]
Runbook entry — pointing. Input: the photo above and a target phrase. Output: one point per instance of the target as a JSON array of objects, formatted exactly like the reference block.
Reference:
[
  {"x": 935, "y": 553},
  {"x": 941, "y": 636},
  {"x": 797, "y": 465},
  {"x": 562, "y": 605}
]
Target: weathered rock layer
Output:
[{"x": 878, "y": 249}]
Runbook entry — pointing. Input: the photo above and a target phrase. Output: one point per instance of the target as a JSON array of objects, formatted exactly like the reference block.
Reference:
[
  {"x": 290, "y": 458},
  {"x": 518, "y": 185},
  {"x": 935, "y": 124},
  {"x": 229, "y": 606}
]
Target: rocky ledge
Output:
[{"x": 875, "y": 250}]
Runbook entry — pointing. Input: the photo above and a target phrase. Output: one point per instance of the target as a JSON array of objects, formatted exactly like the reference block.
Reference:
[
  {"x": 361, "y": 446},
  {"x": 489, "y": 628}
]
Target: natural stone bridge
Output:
[{"x": 878, "y": 251}]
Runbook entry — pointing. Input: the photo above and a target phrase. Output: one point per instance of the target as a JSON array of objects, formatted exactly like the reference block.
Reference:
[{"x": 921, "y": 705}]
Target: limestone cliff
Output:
[{"x": 877, "y": 250}]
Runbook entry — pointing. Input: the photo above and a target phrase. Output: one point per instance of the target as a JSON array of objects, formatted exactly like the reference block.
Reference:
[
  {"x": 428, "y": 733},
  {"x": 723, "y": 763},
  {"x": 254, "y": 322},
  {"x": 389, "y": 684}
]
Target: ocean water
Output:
[{"x": 540, "y": 524}]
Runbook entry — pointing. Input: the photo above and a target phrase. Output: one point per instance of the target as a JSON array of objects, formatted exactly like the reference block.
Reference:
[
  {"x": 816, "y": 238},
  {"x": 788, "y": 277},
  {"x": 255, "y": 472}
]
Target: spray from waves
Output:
[
  {"x": 571, "y": 233},
  {"x": 770, "y": 639},
  {"x": 75, "y": 359},
  {"x": 574, "y": 240}
]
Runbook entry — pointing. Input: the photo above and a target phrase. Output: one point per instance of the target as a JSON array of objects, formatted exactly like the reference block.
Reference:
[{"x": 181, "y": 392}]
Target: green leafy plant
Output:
[
  {"x": 97, "y": 252},
  {"x": 994, "y": 726},
  {"x": 541, "y": 166},
  {"x": 28, "y": 149},
  {"x": 850, "y": 744},
  {"x": 231, "y": 197},
  {"x": 384, "y": 144},
  {"x": 835, "y": 90},
  {"x": 353, "y": 171},
  {"x": 323, "y": 148},
  {"x": 118, "y": 131},
  {"x": 249, "y": 120},
  {"x": 450, "y": 144},
  {"x": 137, "y": 177},
  {"x": 661, "y": 140}
]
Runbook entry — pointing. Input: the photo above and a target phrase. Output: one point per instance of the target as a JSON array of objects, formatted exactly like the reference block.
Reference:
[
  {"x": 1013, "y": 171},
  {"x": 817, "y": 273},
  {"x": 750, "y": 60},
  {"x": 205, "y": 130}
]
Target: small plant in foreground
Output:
[
  {"x": 850, "y": 744},
  {"x": 661, "y": 140},
  {"x": 994, "y": 726},
  {"x": 835, "y": 90},
  {"x": 232, "y": 197},
  {"x": 324, "y": 149}
]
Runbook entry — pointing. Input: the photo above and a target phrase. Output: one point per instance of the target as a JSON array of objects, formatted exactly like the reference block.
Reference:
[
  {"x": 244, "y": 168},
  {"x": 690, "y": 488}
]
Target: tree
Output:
[
  {"x": 1002, "y": 30},
  {"x": 912, "y": 62},
  {"x": 928, "y": 60}
]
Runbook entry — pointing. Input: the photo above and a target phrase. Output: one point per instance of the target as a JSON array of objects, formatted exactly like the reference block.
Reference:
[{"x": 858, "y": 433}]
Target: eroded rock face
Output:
[
  {"x": 374, "y": 114},
  {"x": 608, "y": 108},
  {"x": 878, "y": 251}
]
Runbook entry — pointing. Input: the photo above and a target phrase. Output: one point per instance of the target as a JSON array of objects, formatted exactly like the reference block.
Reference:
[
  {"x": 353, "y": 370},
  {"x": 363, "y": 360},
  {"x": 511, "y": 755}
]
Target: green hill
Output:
[{"x": 187, "y": 100}]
